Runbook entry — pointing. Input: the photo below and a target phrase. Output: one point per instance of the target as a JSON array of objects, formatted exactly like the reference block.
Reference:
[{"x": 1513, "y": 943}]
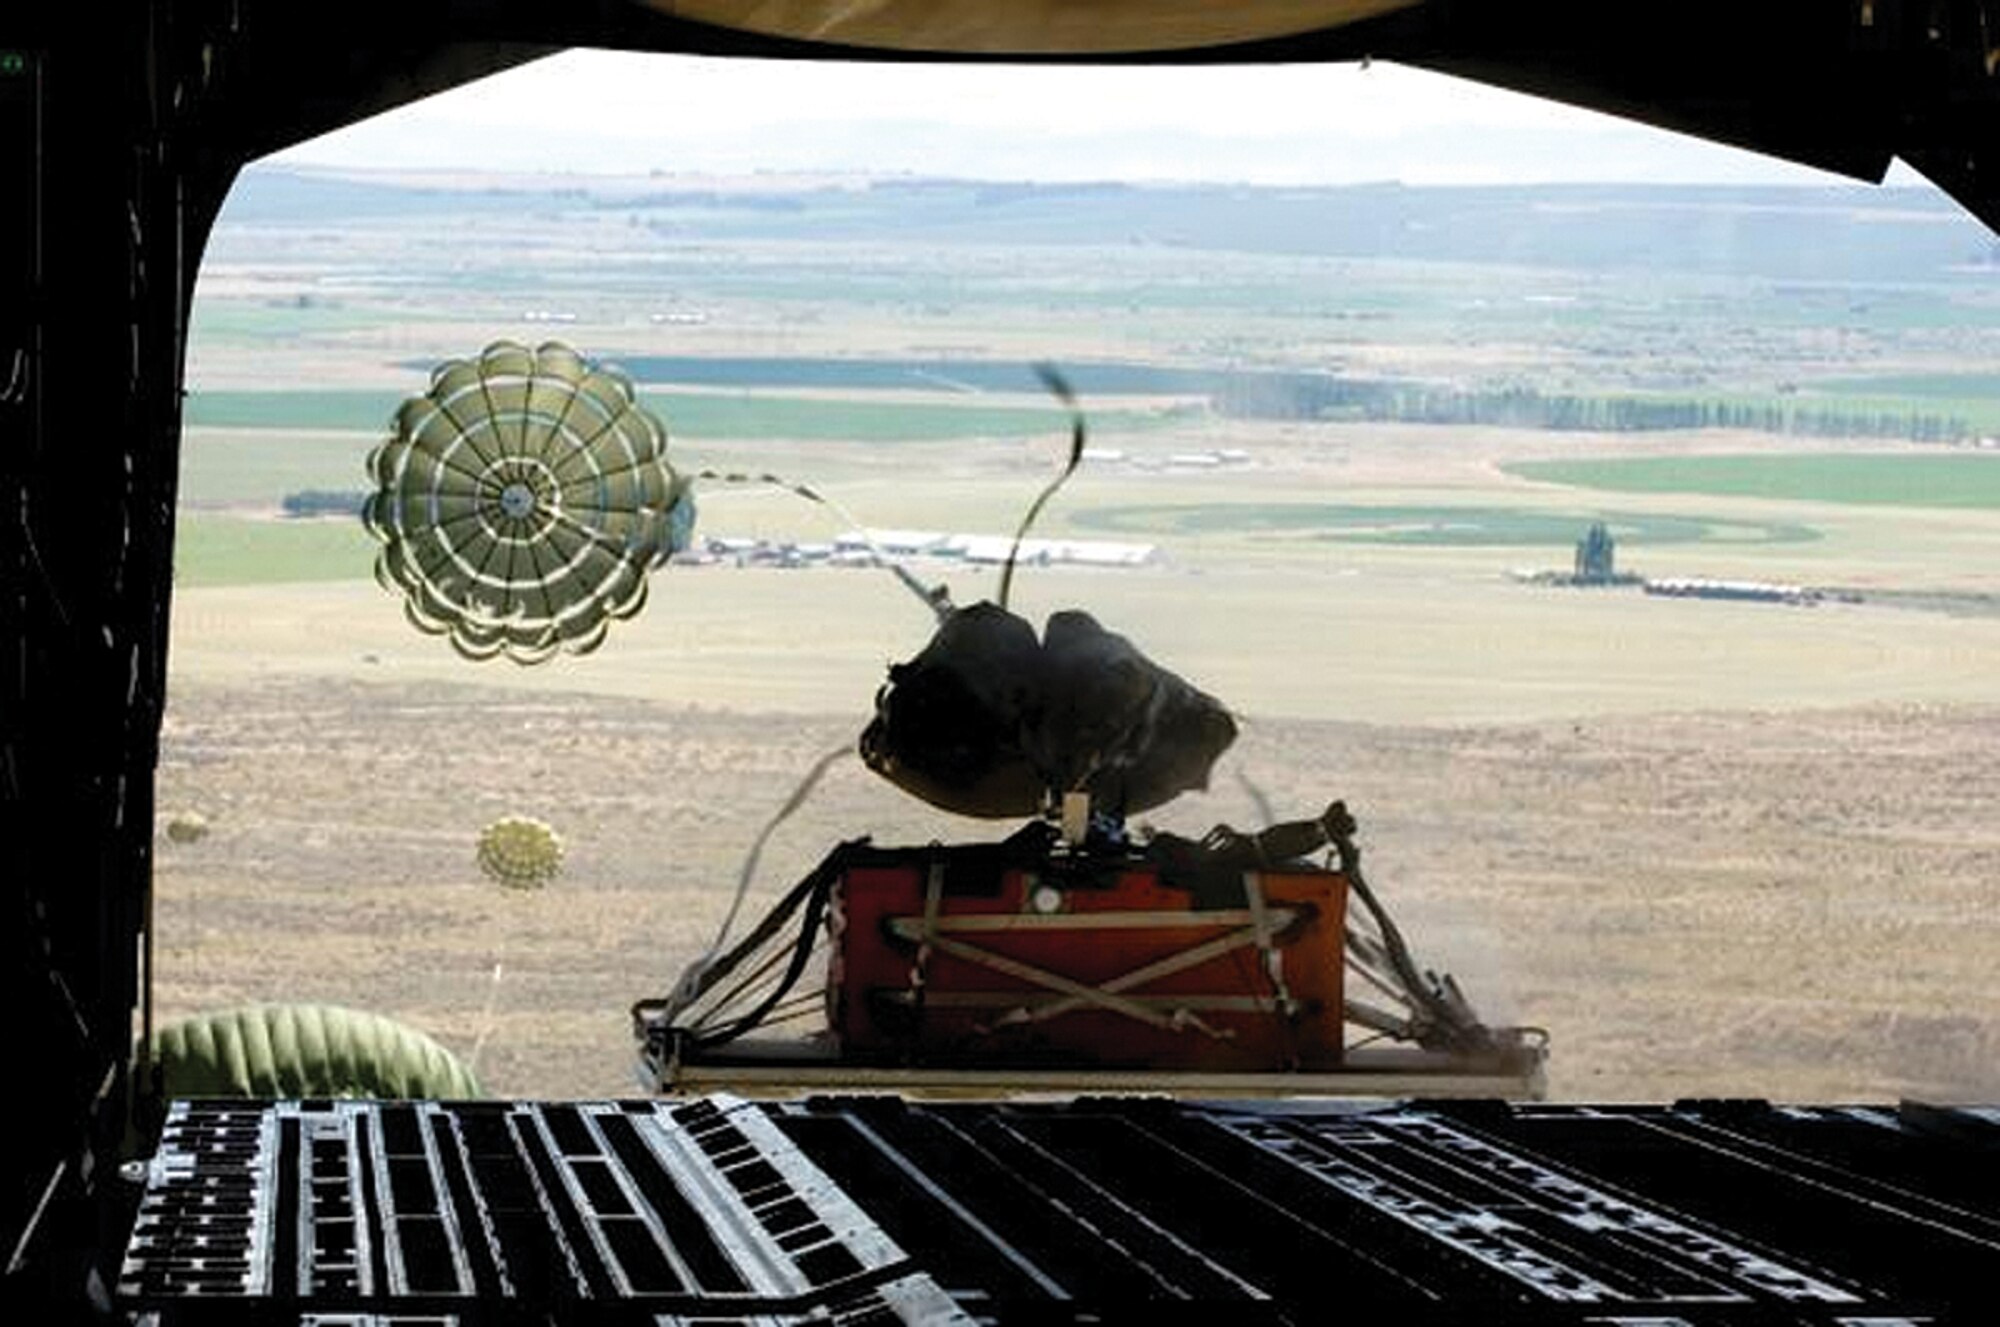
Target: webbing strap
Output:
[
  {"x": 933, "y": 898},
  {"x": 1096, "y": 995},
  {"x": 1260, "y": 922},
  {"x": 1137, "y": 977}
]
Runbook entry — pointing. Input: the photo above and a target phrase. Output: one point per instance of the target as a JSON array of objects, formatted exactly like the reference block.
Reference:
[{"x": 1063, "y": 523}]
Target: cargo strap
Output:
[
  {"x": 1264, "y": 927},
  {"x": 927, "y": 937},
  {"x": 1260, "y": 921},
  {"x": 1440, "y": 1018},
  {"x": 765, "y": 951}
]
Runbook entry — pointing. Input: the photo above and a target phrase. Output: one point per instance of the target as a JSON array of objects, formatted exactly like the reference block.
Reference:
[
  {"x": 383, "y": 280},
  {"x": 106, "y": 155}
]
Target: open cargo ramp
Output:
[{"x": 844, "y": 1210}]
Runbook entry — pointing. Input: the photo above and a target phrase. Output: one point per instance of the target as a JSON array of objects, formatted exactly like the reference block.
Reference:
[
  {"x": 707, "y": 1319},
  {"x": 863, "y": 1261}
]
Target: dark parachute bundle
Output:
[{"x": 989, "y": 721}]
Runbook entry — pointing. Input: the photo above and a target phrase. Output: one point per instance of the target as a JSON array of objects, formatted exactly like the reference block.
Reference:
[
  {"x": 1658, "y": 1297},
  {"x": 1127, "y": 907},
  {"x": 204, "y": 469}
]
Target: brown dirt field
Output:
[{"x": 1793, "y": 906}]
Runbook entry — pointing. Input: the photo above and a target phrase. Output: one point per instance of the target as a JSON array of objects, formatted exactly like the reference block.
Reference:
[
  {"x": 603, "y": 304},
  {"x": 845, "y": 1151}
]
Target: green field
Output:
[
  {"x": 1452, "y": 527},
  {"x": 266, "y": 324},
  {"x": 246, "y": 466},
  {"x": 1952, "y": 480},
  {"x": 227, "y": 550},
  {"x": 1949, "y": 386},
  {"x": 692, "y": 416},
  {"x": 1971, "y": 397}
]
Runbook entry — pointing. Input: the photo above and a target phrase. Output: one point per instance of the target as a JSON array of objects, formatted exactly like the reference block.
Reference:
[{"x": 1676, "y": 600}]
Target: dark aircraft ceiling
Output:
[
  {"x": 1021, "y": 27},
  {"x": 1843, "y": 85}
]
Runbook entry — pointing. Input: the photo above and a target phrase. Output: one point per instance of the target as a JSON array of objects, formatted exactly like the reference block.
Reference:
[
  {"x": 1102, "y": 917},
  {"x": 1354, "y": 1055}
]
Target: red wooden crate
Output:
[{"x": 941, "y": 959}]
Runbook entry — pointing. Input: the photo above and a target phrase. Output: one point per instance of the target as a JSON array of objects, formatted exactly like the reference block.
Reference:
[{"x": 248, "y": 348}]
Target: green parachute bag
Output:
[{"x": 305, "y": 1050}]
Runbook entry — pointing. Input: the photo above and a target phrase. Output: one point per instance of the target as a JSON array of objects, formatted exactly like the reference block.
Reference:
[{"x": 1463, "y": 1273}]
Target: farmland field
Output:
[
  {"x": 691, "y": 413},
  {"x": 256, "y": 467},
  {"x": 1490, "y": 527},
  {"x": 1955, "y": 480},
  {"x": 1949, "y": 386},
  {"x": 224, "y": 550},
  {"x": 1714, "y": 848}
]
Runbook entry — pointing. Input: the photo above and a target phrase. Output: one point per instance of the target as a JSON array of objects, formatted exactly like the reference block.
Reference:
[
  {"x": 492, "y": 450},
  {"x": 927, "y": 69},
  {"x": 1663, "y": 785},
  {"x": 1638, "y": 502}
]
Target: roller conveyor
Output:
[{"x": 877, "y": 1210}]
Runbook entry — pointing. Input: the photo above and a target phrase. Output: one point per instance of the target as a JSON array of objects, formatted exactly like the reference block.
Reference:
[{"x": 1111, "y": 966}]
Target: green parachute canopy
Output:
[
  {"x": 522, "y": 503},
  {"x": 520, "y": 852},
  {"x": 305, "y": 1050}
]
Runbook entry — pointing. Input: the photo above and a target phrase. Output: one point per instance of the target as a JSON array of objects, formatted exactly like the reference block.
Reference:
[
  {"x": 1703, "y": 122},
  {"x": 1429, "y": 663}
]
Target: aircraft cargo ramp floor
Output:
[{"x": 860, "y": 1210}]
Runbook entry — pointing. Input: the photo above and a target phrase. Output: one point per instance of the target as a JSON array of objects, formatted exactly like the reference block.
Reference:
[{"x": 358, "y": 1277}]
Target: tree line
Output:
[{"x": 1306, "y": 396}]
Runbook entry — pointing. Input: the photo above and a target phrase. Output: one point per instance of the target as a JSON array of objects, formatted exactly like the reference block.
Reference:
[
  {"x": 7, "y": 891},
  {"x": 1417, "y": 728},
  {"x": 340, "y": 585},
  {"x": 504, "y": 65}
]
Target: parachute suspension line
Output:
[
  {"x": 1059, "y": 385},
  {"x": 812, "y": 894},
  {"x": 703, "y": 973},
  {"x": 492, "y": 1004},
  {"x": 794, "y": 1007},
  {"x": 1258, "y": 798},
  {"x": 937, "y": 598},
  {"x": 756, "y": 853},
  {"x": 1441, "y": 1013},
  {"x": 807, "y": 1010},
  {"x": 749, "y": 988},
  {"x": 705, "y": 1009}
]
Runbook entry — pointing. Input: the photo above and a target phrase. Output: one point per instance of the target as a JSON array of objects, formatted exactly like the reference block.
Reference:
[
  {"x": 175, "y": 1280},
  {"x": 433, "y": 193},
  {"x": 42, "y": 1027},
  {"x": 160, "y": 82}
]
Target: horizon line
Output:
[{"x": 781, "y": 175}]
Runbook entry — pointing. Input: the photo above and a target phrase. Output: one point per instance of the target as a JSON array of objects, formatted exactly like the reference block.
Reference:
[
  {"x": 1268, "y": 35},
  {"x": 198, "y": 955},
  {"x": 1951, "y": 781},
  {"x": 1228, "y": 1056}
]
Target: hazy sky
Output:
[{"x": 597, "y": 111}]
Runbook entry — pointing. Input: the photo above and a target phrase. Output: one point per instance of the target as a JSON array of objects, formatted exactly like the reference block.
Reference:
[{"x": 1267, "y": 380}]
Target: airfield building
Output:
[{"x": 1756, "y": 592}]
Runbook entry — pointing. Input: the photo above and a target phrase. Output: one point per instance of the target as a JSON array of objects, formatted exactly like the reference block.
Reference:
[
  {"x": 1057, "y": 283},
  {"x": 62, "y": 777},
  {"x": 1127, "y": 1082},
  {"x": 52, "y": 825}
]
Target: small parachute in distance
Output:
[
  {"x": 522, "y": 503},
  {"x": 520, "y": 852},
  {"x": 186, "y": 827}
]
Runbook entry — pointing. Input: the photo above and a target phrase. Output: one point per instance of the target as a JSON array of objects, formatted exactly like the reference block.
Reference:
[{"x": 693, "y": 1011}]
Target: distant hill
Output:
[{"x": 1853, "y": 234}]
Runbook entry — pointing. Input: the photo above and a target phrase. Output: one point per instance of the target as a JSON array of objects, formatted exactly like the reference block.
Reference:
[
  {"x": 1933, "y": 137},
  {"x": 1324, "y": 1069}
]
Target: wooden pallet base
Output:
[{"x": 794, "y": 1069}]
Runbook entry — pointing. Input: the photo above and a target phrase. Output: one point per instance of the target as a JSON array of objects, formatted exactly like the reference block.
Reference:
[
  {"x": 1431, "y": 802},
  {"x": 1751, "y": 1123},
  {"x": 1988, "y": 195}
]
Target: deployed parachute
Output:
[
  {"x": 522, "y": 503},
  {"x": 304, "y": 1050},
  {"x": 520, "y": 852}
]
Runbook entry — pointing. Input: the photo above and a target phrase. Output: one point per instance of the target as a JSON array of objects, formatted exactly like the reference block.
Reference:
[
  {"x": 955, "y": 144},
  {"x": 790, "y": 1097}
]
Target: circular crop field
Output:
[{"x": 1463, "y": 527}]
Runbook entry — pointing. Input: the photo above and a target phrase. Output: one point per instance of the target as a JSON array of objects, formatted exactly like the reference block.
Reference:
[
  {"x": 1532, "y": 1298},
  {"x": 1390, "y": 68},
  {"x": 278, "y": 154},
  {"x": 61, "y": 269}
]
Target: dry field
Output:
[{"x": 1700, "y": 876}]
